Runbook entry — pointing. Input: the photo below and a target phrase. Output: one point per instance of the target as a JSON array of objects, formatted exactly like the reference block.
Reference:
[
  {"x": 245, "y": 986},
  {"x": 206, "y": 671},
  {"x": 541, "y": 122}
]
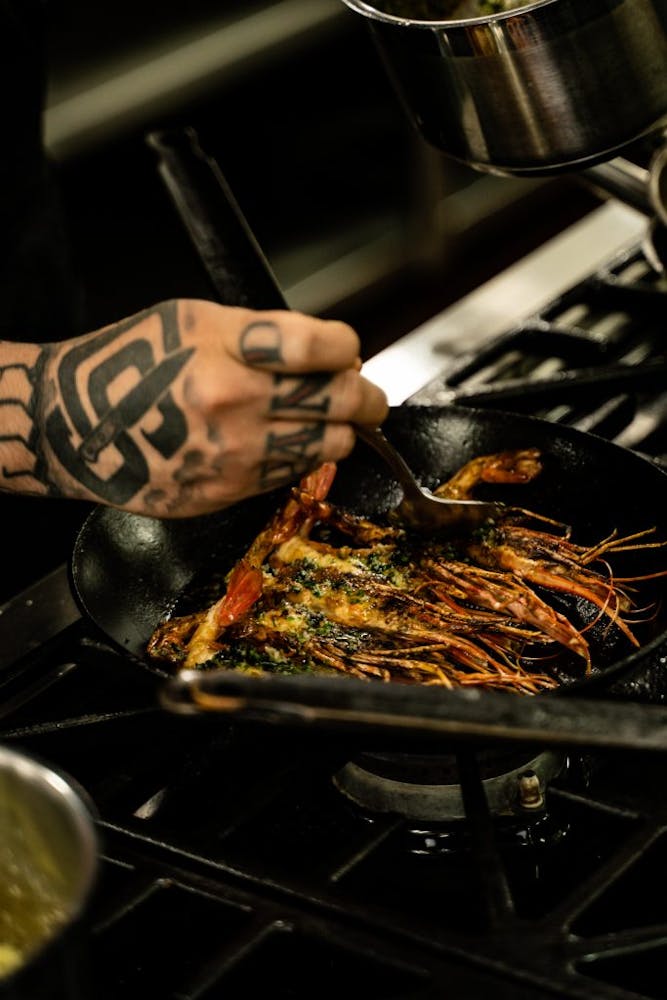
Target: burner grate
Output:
[{"x": 594, "y": 358}]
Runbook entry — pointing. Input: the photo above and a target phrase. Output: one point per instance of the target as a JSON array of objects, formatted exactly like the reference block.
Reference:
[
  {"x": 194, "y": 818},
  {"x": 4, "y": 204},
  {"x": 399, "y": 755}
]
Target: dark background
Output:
[
  {"x": 318, "y": 152},
  {"x": 332, "y": 177}
]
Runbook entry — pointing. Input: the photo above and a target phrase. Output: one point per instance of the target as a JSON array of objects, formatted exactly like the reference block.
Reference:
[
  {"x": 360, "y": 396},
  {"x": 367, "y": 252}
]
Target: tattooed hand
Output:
[{"x": 185, "y": 408}]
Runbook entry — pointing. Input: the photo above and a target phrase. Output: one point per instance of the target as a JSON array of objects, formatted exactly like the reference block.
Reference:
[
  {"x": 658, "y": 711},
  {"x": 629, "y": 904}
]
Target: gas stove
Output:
[
  {"x": 243, "y": 857},
  {"x": 545, "y": 283}
]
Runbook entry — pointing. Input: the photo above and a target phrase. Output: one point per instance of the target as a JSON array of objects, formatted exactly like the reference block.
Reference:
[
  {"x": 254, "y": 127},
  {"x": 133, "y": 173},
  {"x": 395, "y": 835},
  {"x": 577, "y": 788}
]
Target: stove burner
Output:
[{"x": 427, "y": 789}]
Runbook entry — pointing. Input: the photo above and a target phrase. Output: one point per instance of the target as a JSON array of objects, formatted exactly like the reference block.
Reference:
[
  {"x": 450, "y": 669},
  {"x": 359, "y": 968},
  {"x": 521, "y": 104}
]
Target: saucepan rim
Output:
[
  {"x": 58, "y": 786},
  {"x": 371, "y": 12}
]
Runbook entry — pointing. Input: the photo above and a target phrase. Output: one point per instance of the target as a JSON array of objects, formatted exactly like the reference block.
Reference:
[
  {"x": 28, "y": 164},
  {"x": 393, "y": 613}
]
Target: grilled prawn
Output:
[{"x": 320, "y": 589}]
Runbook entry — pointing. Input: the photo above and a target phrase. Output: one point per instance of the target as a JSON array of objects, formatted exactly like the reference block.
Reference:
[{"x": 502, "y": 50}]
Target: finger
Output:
[
  {"x": 345, "y": 397},
  {"x": 293, "y": 342},
  {"x": 373, "y": 406},
  {"x": 292, "y": 449},
  {"x": 279, "y": 454}
]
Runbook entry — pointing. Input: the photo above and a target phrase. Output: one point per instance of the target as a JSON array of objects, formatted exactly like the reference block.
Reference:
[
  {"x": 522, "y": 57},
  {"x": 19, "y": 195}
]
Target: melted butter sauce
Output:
[{"x": 32, "y": 897}]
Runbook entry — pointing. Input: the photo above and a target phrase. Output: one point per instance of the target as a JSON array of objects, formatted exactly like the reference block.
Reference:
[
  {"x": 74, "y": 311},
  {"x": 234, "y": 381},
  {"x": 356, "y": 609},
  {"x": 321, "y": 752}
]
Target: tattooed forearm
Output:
[
  {"x": 179, "y": 410},
  {"x": 20, "y": 464}
]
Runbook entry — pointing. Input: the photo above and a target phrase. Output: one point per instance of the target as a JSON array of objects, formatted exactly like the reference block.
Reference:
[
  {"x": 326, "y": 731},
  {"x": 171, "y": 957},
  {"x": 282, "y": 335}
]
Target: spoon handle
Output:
[{"x": 374, "y": 437}]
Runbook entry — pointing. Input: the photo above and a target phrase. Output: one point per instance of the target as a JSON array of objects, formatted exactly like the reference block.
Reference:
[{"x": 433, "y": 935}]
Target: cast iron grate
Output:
[{"x": 594, "y": 359}]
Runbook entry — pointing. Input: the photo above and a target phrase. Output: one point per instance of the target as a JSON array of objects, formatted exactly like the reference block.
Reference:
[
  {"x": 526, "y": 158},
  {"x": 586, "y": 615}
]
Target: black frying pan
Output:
[{"x": 129, "y": 571}]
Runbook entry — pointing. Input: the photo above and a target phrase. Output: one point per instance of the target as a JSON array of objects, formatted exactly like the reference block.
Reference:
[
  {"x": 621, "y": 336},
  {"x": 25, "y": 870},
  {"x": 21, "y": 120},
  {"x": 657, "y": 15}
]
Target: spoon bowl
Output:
[{"x": 421, "y": 509}]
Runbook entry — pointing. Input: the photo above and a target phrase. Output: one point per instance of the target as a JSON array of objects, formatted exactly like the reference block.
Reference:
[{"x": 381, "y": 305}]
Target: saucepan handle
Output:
[{"x": 644, "y": 189}]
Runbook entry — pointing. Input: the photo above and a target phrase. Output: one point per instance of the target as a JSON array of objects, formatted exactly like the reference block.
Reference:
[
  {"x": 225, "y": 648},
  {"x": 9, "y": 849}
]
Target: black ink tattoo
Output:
[
  {"x": 152, "y": 499},
  {"x": 27, "y": 438},
  {"x": 261, "y": 344},
  {"x": 298, "y": 393},
  {"x": 187, "y": 479},
  {"x": 77, "y": 443},
  {"x": 288, "y": 455},
  {"x": 191, "y": 468}
]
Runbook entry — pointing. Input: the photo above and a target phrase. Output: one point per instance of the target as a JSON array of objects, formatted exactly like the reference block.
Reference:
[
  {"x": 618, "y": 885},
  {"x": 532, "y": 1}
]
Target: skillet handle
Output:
[
  {"x": 417, "y": 714},
  {"x": 233, "y": 259}
]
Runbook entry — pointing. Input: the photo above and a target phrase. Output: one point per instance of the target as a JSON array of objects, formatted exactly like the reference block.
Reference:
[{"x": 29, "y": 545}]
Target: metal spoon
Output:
[{"x": 420, "y": 508}]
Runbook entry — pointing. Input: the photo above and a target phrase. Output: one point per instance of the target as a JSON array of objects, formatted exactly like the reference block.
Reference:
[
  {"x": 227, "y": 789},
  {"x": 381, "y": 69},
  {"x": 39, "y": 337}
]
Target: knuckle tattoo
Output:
[
  {"x": 303, "y": 393},
  {"x": 287, "y": 455},
  {"x": 261, "y": 343}
]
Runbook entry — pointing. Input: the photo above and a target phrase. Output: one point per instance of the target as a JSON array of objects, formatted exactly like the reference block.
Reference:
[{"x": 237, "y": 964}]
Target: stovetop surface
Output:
[{"x": 230, "y": 861}]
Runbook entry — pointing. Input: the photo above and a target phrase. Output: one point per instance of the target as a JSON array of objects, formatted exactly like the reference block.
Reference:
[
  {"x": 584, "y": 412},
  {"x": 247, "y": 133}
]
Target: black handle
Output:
[
  {"x": 233, "y": 259},
  {"x": 416, "y": 712},
  {"x": 564, "y": 386}
]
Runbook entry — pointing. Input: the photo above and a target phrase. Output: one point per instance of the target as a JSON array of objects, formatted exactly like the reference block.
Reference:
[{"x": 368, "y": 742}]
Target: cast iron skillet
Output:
[{"x": 130, "y": 571}]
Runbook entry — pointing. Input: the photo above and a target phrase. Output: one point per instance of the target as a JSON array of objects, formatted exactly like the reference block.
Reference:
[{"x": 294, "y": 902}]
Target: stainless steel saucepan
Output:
[
  {"x": 549, "y": 86},
  {"x": 48, "y": 868}
]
